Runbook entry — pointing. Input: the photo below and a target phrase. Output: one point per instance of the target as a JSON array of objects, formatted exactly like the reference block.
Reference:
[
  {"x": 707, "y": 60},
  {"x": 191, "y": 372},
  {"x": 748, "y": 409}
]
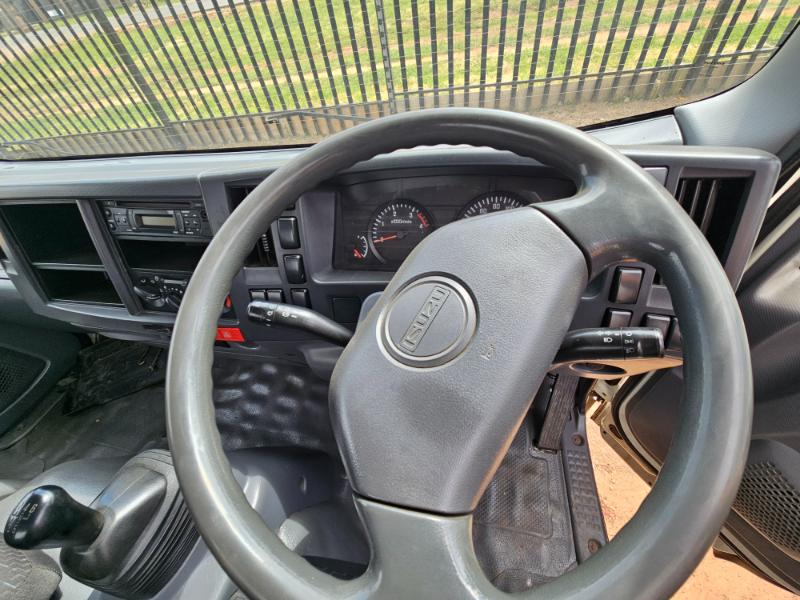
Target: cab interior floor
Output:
[
  {"x": 49, "y": 437},
  {"x": 258, "y": 404}
]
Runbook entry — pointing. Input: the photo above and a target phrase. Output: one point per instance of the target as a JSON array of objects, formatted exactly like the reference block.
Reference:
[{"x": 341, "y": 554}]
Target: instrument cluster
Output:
[{"x": 380, "y": 223}]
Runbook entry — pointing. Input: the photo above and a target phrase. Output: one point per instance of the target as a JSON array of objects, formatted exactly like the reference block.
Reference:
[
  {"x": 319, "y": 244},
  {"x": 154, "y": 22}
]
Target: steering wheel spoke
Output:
[{"x": 445, "y": 566}]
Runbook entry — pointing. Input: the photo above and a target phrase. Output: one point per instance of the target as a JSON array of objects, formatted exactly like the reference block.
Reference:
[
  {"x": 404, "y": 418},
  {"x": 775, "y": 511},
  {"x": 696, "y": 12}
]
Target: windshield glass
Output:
[{"x": 93, "y": 77}]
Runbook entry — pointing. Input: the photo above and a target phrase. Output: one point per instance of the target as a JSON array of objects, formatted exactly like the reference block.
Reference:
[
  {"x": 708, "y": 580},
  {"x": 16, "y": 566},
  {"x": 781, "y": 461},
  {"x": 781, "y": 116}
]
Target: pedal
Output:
[
  {"x": 588, "y": 524},
  {"x": 540, "y": 516},
  {"x": 522, "y": 530}
]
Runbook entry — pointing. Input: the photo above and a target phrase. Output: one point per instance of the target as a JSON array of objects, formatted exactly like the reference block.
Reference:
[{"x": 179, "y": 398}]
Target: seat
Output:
[{"x": 27, "y": 574}]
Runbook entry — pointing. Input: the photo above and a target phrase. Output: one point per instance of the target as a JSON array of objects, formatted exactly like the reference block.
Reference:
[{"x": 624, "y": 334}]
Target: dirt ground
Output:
[{"x": 621, "y": 492}]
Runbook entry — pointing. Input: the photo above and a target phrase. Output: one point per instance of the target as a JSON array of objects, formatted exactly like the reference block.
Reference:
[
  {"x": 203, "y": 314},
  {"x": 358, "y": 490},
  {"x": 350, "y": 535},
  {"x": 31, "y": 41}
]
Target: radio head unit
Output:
[{"x": 162, "y": 219}]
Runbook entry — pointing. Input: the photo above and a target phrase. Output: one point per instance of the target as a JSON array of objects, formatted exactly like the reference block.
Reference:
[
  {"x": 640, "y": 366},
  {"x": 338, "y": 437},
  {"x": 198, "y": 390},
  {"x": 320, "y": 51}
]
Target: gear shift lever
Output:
[
  {"x": 131, "y": 540},
  {"x": 48, "y": 517}
]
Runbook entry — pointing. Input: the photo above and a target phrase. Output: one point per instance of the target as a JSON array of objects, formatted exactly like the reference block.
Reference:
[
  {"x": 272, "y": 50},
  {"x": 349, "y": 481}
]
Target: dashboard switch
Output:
[
  {"x": 627, "y": 282},
  {"x": 288, "y": 234},
  {"x": 617, "y": 318},
  {"x": 258, "y": 295},
  {"x": 300, "y": 298},
  {"x": 675, "y": 341},
  {"x": 295, "y": 272},
  {"x": 229, "y": 334},
  {"x": 660, "y": 322},
  {"x": 275, "y": 296}
]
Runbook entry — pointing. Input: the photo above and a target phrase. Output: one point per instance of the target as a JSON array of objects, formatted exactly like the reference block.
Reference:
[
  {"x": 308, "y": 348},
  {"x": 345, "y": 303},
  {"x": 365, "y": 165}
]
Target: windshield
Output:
[{"x": 94, "y": 77}]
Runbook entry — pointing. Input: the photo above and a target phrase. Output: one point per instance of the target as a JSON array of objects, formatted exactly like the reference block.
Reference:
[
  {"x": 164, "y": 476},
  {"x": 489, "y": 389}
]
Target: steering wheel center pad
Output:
[{"x": 430, "y": 438}]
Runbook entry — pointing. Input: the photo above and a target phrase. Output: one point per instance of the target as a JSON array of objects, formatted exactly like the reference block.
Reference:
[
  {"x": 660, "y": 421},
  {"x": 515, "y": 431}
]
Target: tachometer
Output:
[
  {"x": 489, "y": 203},
  {"x": 396, "y": 228}
]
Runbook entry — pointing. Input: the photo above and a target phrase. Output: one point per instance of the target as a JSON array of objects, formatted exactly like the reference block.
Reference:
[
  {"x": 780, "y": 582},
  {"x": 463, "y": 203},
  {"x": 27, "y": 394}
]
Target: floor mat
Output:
[
  {"x": 121, "y": 428},
  {"x": 261, "y": 404},
  {"x": 112, "y": 369},
  {"x": 522, "y": 529},
  {"x": 258, "y": 404}
]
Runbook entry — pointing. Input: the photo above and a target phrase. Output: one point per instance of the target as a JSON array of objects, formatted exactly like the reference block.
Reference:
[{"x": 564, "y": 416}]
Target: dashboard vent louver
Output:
[
  {"x": 698, "y": 197},
  {"x": 263, "y": 254},
  {"x": 715, "y": 204}
]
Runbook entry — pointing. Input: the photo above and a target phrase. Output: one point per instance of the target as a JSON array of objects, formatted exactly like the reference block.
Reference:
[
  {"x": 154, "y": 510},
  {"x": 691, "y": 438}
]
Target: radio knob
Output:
[{"x": 174, "y": 301}]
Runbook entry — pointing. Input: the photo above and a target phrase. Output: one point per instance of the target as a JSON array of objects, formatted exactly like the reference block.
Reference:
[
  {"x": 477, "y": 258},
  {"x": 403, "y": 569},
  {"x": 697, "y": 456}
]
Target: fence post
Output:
[
  {"x": 130, "y": 66},
  {"x": 387, "y": 63},
  {"x": 714, "y": 26}
]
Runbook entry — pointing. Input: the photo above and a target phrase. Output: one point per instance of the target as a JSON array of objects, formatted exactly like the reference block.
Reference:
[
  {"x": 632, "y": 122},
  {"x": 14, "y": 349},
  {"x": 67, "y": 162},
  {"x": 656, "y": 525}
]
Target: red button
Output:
[{"x": 229, "y": 334}]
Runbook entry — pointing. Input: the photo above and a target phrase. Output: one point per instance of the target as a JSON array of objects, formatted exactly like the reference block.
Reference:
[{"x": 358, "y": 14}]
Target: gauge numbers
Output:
[
  {"x": 396, "y": 227},
  {"x": 489, "y": 203}
]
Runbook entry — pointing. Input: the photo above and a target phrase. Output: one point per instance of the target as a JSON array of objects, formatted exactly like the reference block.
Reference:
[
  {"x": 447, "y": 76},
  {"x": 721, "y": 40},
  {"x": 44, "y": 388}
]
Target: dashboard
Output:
[{"x": 109, "y": 245}]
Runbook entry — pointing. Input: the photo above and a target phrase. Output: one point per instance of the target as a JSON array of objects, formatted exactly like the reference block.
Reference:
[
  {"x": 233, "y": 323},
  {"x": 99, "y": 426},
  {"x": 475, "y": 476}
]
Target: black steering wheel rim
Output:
[{"x": 618, "y": 213}]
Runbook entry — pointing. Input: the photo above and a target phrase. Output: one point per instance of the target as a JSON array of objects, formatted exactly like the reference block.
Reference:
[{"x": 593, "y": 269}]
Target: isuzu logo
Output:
[
  {"x": 422, "y": 322},
  {"x": 428, "y": 323}
]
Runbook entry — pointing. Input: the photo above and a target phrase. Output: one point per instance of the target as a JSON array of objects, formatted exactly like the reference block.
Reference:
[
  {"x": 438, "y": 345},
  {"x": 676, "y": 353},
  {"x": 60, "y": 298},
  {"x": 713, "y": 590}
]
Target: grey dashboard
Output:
[{"x": 107, "y": 245}]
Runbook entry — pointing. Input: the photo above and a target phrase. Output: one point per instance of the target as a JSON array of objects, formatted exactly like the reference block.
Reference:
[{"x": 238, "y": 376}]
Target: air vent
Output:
[
  {"x": 263, "y": 254},
  {"x": 715, "y": 205}
]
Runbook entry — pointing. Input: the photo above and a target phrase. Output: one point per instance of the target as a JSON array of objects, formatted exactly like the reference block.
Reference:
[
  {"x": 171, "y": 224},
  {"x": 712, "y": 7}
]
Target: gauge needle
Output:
[
  {"x": 357, "y": 253},
  {"x": 385, "y": 238}
]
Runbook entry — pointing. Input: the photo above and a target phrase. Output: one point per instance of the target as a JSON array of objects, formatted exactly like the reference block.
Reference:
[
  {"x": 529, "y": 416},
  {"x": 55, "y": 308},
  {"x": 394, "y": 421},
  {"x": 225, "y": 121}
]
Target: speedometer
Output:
[
  {"x": 396, "y": 227},
  {"x": 489, "y": 203}
]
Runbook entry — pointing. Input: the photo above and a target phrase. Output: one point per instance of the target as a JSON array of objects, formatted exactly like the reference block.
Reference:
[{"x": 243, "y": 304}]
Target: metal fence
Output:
[{"x": 124, "y": 76}]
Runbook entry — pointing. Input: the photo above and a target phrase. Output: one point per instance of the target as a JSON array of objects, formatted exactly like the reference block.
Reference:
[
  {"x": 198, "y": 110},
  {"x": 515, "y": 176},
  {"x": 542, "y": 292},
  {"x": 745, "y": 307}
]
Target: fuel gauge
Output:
[{"x": 360, "y": 247}]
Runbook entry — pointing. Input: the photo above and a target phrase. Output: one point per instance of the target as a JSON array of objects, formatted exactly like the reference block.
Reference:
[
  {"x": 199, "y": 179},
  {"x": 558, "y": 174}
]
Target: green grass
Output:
[{"x": 209, "y": 65}]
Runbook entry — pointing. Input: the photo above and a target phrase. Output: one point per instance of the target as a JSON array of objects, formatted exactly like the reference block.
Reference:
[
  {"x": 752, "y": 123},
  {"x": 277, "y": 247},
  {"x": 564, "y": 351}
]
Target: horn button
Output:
[
  {"x": 428, "y": 323},
  {"x": 429, "y": 392}
]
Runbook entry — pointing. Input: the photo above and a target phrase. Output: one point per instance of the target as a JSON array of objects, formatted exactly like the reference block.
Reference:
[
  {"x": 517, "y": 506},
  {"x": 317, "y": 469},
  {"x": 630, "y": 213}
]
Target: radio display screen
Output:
[{"x": 166, "y": 221}]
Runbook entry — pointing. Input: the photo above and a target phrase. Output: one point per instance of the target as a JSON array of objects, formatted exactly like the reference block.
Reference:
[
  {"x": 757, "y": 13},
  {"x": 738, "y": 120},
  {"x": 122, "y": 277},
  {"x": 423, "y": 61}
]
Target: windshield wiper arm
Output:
[
  {"x": 311, "y": 112},
  {"x": 6, "y": 146}
]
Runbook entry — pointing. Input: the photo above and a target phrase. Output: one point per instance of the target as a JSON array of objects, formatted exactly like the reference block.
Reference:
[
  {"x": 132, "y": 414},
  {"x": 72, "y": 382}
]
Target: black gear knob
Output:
[{"x": 48, "y": 517}]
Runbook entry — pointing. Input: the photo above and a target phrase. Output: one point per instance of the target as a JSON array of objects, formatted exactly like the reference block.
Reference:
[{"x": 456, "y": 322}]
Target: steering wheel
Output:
[{"x": 457, "y": 345}]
